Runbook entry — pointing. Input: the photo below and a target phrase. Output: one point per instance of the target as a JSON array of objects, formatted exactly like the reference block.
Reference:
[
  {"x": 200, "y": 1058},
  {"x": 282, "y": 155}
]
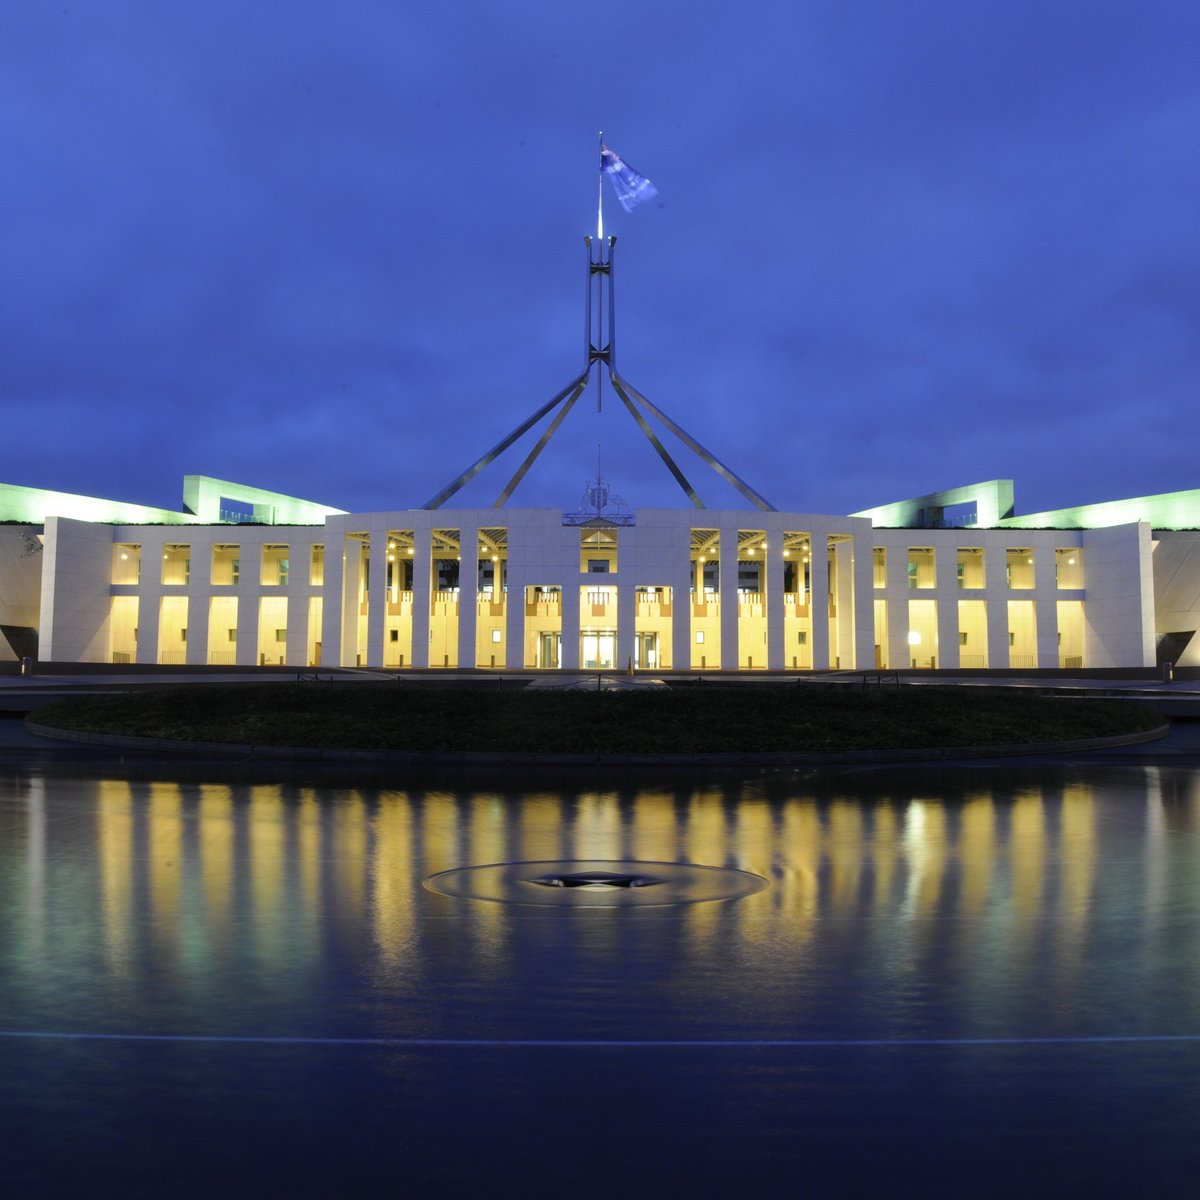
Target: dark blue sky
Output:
[{"x": 336, "y": 250}]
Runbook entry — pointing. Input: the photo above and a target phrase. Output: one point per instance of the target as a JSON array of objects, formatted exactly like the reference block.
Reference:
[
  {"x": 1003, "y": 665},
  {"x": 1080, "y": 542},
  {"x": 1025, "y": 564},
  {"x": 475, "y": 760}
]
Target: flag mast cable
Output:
[{"x": 600, "y": 348}]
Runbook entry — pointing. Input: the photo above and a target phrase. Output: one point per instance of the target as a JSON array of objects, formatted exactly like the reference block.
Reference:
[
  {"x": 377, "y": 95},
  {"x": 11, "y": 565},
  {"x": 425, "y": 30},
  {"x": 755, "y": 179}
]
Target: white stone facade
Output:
[{"x": 678, "y": 590}]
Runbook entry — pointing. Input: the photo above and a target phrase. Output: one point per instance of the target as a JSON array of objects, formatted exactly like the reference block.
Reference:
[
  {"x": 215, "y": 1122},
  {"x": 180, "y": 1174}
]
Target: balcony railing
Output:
[
  {"x": 399, "y": 603},
  {"x": 544, "y": 604}
]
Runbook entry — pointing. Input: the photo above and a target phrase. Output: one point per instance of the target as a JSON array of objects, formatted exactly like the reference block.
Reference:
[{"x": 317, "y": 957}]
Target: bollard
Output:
[
  {"x": 27, "y": 665},
  {"x": 1168, "y": 672}
]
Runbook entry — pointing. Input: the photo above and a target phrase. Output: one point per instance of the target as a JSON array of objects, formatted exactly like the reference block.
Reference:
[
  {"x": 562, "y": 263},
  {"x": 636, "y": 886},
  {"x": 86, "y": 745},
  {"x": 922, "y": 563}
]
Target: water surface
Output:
[{"x": 972, "y": 980}]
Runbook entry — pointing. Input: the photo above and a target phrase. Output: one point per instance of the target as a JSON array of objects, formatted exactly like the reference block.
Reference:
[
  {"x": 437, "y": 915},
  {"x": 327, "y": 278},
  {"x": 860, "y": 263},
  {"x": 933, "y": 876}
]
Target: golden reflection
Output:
[
  {"x": 600, "y": 829},
  {"x": 1078, "y": 850},
  {"x": 755, "y": 849},
  {"x": 862, "y": 874},
  {"x": 705, "y": 829},
  {"x": 705, "y": 837},
  {"x": 267, "y": 835},
  {"x": 392, "y": 892},
  {"x": 1077, "y": 859},
  {"x": 216, "y": 853},
  {"x": 308, "y": 848},
  {"x": 845, "y": 854},
  {"x": 538, "y": 827},
  {"x": 656, "y": 832},
  {"x": 439, "y": 832},
  {"x": 487, "y": 841},
  {"x": 350, "y": 835},
  {"x": 114, "y": 828},
  {"x": 925, "y": 848},
  {"x": 977, "y": 850},
  {"x": 797, "y": 897},
  {"x": 165, "y": 835},
  {"x": 884, "y": 851},
  {"x": 487, "y": 844},
  {"x": 1027, "y": 847}
]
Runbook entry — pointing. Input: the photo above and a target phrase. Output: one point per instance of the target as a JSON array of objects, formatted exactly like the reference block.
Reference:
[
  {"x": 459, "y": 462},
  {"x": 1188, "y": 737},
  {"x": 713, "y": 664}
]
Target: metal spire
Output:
[{"x": 600, "y": 342}]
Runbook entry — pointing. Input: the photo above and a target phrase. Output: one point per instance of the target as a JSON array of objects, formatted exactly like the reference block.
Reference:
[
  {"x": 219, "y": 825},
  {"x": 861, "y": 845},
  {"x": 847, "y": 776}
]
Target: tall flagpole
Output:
[{"x": 600, "y": 198}]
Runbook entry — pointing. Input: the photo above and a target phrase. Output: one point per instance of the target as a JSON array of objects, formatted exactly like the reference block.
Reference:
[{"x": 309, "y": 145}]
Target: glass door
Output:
[{"x": 598, "y": 650}]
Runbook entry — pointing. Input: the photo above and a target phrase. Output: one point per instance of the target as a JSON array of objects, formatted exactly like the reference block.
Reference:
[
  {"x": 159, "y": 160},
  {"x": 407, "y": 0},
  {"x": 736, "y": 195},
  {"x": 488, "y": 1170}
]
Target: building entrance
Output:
[
  {"x": 598, "y": 650},
  {"x": 550, "y": 651},
  {"x": 647, "y": 651}
]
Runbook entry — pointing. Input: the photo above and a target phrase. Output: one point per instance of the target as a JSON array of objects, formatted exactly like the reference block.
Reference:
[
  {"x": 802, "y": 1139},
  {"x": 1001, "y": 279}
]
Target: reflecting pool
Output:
[{"x": 962, "y": 981}]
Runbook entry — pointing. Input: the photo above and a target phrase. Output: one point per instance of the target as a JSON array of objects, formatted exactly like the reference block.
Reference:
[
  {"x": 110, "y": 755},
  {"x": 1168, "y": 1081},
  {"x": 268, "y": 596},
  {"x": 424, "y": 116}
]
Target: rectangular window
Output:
[
  {"x": 920, "y": 567},
  {"x": 1068, "y": 567},
  {"x": 699, "y": 637},
  {"x": 970, "y": 567},
  {"x": 281, "y": 635},
  {"x": 598, "y": 546},
  {"x": 1018, "y": 565},
  {"x": 496, "y": 636},
  {"x": 225, "y": 564},
  {"x": 394, "y": 635},
  {"x": 275, "y": 566},
  {"x": 880, "y": 566},
  {"x": 127, "y": 563},
  {"x": 177, "y": 563},
  {"x": 446, "y": 558},
  {"x": 802, "y": 637}
]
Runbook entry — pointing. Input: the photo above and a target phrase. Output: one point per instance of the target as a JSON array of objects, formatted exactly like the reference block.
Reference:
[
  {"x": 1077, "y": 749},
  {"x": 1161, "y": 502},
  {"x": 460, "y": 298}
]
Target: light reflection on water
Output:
[
  {"x": 969, "y": 904},
  {"x": 109, "y": 883}
]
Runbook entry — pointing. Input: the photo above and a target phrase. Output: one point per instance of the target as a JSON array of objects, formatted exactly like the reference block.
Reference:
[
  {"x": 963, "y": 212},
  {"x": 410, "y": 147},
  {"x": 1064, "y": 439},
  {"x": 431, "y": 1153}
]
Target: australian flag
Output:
[{"x": 632, "y": 189}]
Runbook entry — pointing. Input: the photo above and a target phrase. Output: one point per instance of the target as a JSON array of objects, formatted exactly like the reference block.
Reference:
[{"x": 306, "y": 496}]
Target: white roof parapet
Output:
[
  {"x": 993, "y": 502},
  {"x": 34, "y": 505},
  {"x": 1168, "y": 510},
  {"x": 202, "y": 496}
]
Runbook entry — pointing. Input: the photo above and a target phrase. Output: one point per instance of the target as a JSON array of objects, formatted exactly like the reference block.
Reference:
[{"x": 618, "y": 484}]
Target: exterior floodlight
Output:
[{"x": 914, "y": 638}]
